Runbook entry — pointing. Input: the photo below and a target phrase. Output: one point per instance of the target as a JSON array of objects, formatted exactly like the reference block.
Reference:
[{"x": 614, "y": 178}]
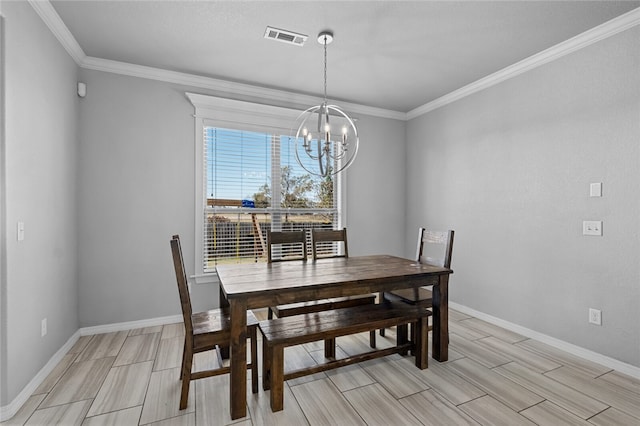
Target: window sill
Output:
[{"x": 211, "y": 278}]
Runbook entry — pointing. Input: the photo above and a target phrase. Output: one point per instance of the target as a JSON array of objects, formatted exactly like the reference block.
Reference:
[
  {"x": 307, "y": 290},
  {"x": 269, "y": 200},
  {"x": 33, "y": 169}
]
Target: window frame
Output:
[{"x": 212, "y": 111}]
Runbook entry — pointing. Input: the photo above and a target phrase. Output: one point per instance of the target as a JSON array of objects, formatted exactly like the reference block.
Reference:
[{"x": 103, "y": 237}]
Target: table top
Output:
[{"x": 293, "y": 281}]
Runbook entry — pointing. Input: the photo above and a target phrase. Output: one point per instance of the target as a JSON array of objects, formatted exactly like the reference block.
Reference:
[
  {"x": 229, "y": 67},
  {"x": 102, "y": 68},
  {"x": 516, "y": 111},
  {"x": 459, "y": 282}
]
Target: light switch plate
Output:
[
  {"x": 592, "y": 227},
  {"x": 595, "y": 189}
]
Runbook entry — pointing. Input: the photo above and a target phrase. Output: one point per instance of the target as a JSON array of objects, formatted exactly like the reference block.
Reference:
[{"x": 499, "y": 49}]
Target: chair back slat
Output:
[
  {"x": 183, "y": 288},
  {"x": 283, "y": 246},
  {"x": 435, "y": 247},
  {"x": 325, "y": 243}
]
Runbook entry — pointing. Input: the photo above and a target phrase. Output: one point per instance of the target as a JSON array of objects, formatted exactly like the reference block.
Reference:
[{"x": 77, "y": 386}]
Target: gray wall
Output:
[
  {"x": 137, "y": 189},
  {"x": 39, "y": 186},
  {"x": 509, "y": 169}
]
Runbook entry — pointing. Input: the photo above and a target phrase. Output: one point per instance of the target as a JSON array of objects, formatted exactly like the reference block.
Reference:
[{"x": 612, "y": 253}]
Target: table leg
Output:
[
  {"x": 440, "y": 332},
  {"x": 238, "y": 374},
  {"x": 224, "y": 303}
]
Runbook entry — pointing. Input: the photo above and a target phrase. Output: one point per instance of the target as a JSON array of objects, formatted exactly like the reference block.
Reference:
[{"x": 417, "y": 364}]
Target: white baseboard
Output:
[
  {"x": 612, "y": 363},
  {"x": 10, "y": 410},
  {"x": 121, "y": 326}
]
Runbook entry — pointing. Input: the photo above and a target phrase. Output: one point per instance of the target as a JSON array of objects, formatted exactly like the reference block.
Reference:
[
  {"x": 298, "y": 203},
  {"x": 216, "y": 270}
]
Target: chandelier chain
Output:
[{"x": 325, "y": 69}]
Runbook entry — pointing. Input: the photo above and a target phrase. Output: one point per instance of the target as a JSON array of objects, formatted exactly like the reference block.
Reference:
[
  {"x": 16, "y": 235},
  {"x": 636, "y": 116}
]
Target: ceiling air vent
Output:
[{"x": 285, "y": 36}]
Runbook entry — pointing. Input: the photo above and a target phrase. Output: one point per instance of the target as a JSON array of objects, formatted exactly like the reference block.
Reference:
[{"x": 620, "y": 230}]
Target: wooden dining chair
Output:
[
  {"x": 326, "y": 244},
  {"x": 283, "y": 246},
  {"x": 286, "y": 246},
  {"x": 206, "y": 331},
  {"x": 434, "y": 248}
]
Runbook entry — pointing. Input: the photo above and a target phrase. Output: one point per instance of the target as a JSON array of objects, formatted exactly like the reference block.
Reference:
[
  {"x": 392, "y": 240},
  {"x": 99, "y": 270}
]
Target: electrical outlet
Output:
[
  {"x": 595, "y": 316},
  {"x": 43, "y": 327},
  {"x": 592, "y": 227}
]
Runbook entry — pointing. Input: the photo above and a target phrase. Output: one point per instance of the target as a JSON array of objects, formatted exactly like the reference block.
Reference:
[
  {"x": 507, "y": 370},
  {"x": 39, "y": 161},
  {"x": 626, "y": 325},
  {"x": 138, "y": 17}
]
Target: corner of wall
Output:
[{"x": 3, "y": 226}]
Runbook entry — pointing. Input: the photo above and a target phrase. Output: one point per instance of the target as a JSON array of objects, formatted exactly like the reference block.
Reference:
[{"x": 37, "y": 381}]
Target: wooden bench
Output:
[{"x": 328, "y": 325}]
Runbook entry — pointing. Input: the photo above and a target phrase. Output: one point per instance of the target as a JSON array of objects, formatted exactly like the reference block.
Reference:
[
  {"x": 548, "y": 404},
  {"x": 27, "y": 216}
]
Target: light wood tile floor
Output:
[{"x": 493, "y": 377}]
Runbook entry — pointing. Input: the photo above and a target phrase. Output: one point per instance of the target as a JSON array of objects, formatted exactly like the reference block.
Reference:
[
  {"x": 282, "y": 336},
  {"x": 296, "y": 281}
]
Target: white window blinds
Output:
[{"x": 253, "y": 183}]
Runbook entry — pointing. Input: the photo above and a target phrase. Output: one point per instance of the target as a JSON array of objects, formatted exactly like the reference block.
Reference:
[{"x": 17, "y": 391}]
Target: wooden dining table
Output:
[{"x": 260, "y": 285}]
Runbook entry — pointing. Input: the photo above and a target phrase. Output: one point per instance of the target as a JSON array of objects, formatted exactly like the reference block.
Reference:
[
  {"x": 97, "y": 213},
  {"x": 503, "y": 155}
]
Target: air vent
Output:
[{"x": 285, "y": 36}]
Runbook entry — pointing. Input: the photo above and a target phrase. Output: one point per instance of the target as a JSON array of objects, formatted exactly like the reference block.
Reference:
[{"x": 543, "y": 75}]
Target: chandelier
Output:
[{"x": 320, "y": 149}]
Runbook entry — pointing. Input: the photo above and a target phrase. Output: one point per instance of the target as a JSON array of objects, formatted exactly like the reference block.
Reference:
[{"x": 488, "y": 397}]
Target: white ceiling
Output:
[{"x": 395, "y": 55}]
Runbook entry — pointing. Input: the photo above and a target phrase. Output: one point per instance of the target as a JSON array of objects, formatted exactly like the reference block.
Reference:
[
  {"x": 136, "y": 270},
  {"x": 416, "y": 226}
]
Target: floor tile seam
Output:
[
  {"x": 87, "y": 416},
  {"x": 479, "y": 386},
  {"x": 79, "y": 354},
  {"x": 478, "y": 360},
  {"x": 583, "y": 393},
  {"x": 58, "y": 379},
  {"x": 390, "y": 394},
  {"x": 546, "y": 356},
  {"x": 551, "y": 400},
  {"x": 346, "y": 400},
  {"x": 59, "y": 405},
  {"x": 461, "y": 403},
  {"x": 146, "y": 394},
  {"x": 518, "y": 384},
  {"x": 533, "y": 405},
  {"x": 496, "y": 396},
  {"x": 622, "y": 388},
  {"x": 565, "y": 362},
  {"x": 604, "y": 374},
  {"x": 609, "y": 407},
  {"x": 559, "y": 407},
  {"x": 414, "y": 372},
  {"x": 98, "y": 386},
  {"x": 472, "y": 399}
]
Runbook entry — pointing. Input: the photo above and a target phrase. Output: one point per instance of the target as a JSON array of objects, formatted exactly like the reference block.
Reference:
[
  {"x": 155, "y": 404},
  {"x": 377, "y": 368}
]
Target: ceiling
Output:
[{"x": 395, "y": 55}]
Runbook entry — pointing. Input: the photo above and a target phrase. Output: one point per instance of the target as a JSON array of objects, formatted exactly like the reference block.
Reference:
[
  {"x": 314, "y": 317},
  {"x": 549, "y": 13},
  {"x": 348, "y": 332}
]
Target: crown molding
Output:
[
  {"x": 227, "y": 87},
  {"x": 587, "y": 38},
  {"x": 51, "y": 18}
]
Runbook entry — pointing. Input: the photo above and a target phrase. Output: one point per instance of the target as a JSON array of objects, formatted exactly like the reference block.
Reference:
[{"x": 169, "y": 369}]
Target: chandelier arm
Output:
[{"x": 320, "y": 165}]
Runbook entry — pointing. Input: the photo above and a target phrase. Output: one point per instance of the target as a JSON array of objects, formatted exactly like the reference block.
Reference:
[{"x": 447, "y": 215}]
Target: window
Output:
[{"x": 249, "y": 181}]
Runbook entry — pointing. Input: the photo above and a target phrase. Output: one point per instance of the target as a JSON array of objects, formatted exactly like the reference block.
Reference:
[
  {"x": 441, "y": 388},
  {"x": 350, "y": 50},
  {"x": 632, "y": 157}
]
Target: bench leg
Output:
[
  {"x": 253, "y": 335},
  {"x": 381, "y": 300},
  {"x": 412, "y": 333},
  {"x": 402, "y": 336},
  {"x": 277, "y": 378},
  {"x": 372, "y": 339},
  {"x": 266, "y": 366},
  {"x": 330, "y": 348},
  {"x": 421, "y": 336}
]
